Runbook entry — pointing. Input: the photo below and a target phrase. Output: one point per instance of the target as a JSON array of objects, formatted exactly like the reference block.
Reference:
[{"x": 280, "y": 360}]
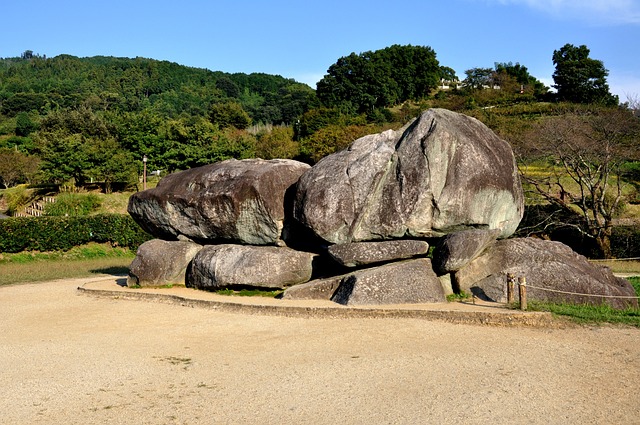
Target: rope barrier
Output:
[
  {"x": 582, "y": 295},
  {"x": 615, "y": 259}
]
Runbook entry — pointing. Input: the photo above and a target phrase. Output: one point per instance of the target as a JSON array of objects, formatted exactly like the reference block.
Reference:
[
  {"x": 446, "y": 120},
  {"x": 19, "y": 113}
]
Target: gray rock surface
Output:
[
  {"x": 233, "y": 201},
  {"x": 317, "y": 289},
  {"x": 362, "y": 253},
  {"x": 412, "y": 281},
  {"x": 443, "y": 172},
  {"x": 445, "y": 281},
  {"x": 161, "y": 262},
  {"x": 457, "y": 249},
  {"x": 547, "y": 265},
  {"x": 221, "y": 266}
]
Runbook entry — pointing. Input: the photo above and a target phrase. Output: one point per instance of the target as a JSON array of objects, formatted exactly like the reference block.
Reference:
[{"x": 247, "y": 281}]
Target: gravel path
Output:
[{"x": 67, "y": 358}]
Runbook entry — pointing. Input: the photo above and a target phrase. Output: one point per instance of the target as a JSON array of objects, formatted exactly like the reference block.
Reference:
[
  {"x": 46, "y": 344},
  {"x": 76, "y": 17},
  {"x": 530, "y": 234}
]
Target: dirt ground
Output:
[{"x": 69, "y": 358}]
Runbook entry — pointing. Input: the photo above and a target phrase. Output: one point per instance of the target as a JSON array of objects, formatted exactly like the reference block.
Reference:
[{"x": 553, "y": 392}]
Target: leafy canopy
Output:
[
  {"x": 579, "y": 78},
  {"x": 362, "y": 82}
]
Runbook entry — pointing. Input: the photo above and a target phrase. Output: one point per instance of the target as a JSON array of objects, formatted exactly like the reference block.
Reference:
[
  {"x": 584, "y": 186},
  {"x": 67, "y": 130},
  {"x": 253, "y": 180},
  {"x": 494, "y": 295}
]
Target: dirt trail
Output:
[{"x": 74, "y": 359}]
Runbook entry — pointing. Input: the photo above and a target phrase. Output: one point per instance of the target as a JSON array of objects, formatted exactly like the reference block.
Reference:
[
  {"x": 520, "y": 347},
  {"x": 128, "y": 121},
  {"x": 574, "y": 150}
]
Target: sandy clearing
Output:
[{"x": 73, "y": 359}]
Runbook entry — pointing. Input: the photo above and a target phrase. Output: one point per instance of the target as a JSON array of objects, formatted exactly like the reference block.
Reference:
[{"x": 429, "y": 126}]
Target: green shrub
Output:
[
  {"x": 73, "y": 204},
  {"x": 63, "y": 233},
  {"x": 16, "y": 197}
]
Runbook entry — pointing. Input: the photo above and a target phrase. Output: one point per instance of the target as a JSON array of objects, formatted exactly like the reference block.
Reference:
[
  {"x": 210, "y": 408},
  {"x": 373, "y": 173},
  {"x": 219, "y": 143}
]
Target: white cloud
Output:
[{"x": 593, "y": 11}]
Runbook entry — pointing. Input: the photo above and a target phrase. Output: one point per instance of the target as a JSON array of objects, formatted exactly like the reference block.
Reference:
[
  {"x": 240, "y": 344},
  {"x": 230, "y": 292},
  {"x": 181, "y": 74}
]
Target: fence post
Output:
[
  {"x": 511, "y": 280},
  {"x": 522, "y": 287}
]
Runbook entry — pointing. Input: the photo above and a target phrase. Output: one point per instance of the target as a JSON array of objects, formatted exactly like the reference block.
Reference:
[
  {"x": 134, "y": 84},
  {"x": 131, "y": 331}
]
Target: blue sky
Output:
[{"x": 301, "y": 40}]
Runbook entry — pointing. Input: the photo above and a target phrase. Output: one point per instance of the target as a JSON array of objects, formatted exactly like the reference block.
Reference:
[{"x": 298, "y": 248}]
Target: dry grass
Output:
[
  {"x": 114, "y": 203},
  {"x": 620, "y": 266},
  {"x": 32, "y": 267},
  {"x": 39, "y": 272}
]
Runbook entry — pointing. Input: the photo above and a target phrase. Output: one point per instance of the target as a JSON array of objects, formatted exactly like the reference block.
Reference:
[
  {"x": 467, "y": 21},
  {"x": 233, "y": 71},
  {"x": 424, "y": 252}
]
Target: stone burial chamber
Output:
[{"x": 356, "y": 228}]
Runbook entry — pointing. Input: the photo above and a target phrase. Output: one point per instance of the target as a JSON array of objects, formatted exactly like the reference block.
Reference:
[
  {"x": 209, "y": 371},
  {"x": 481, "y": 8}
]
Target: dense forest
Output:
[
  {"x": 94, "y": 118},
  {"x": 89, "y": 121},
  {"x": 80, "y": 120}
]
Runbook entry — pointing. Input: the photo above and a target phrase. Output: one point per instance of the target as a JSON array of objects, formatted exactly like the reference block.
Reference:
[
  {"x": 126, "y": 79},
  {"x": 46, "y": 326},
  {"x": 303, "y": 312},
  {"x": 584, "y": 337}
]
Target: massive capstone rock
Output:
[
  {"x": 233, "y": 201},
  {"x": 441, "y": 173},
  {"x": 553, "y": 272}
]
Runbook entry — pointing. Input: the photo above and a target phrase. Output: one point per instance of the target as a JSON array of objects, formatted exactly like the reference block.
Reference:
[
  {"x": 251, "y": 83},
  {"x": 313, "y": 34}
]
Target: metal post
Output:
[{"x": 144, "y": 172}]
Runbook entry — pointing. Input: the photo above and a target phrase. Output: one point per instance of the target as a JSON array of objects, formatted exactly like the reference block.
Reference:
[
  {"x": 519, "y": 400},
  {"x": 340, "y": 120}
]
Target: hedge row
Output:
[{"x": 63, "y": 233}]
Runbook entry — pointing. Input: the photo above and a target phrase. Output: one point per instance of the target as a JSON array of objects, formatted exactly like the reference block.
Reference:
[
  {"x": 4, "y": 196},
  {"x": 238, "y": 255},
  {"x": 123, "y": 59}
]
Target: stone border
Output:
[{"x": 509, "y": 318}]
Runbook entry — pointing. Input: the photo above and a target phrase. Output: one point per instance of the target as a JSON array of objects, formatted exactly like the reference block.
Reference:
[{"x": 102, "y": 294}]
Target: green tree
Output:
[
  {"x": 448, "y": 74},
  {"x": 579, "y": 78},
  {"x": 381, "y": 78},
  {"x": 478, "y": 78},
  {"x": 64, "y": 157},
  {"x": 229, "y": 114},
  {"x": 522, "y": 77},
  {"x": 110, "y": 163},
  {"x": 16, "y": 167},
  {"x": 82, "y": 145},
  {"x": 24, "y": 124},
  {"x": 23, "y": 102},
  {"x": 277, "y": 143},
  {"x": 333, "y": 138},
  {"x": 193, "y": 142}
]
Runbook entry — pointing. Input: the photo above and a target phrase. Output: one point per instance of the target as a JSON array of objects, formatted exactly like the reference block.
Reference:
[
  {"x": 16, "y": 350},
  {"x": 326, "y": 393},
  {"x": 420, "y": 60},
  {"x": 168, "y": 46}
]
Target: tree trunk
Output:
[{"x": 603, "y": 239}]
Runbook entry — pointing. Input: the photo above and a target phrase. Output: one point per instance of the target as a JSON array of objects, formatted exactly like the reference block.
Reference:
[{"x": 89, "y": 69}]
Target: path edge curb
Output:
[{"x": 506, "y": 319}]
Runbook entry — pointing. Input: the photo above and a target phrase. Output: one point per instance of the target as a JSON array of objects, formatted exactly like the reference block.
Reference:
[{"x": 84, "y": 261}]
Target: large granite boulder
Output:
[
  {"x": 232, "y": 201},
  {"x": 553, "y": 272},
  {"x": 443, "y": 172},
  {"x": 227, "y": 265},
  {"x": 404, "y": 282},
  {"x": 456, "y": 250},
  {"x": 161, "y": 262},
  {"x": 362, "y": 253}
]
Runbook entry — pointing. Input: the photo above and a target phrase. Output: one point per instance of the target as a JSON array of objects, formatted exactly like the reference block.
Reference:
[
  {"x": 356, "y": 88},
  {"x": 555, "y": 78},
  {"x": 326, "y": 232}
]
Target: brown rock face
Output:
[
  {"x": 553, "y": 272},
  {"x": 233, "y": 201},
  {"x": 443, "y": 172}
]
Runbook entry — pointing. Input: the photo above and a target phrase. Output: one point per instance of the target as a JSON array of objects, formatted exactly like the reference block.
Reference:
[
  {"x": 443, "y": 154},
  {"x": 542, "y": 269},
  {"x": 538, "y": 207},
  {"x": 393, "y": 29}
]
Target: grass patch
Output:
[
  {"x": 589, "y": 314},
  {"x": 620, "y": 266},
  {"x": 73, "y": 204},
  {"x": 114, "y": 203},
  {"x": 635, "y": 282},
  {"x": 249, "y": 293},
  {"x": 462, "y": 296},
  {"x": 83, "y": 261}
]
